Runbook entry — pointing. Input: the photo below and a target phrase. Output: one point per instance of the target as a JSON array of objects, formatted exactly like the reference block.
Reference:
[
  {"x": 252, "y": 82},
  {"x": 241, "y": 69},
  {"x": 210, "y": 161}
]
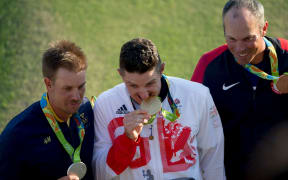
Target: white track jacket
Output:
[{"x": 192, "y": 147}]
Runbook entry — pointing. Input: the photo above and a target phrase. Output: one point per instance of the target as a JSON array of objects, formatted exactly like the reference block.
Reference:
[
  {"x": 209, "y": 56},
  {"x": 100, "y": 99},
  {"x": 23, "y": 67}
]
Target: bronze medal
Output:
[{"x": 282, "y": 84}]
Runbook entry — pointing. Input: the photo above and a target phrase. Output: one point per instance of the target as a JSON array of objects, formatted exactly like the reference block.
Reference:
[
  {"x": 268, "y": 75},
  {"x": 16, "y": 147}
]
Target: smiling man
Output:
[
  {"x": 243, "y": 77},
  {"x": 184, "y": 140},
  {"x": 53, "y": 138}
]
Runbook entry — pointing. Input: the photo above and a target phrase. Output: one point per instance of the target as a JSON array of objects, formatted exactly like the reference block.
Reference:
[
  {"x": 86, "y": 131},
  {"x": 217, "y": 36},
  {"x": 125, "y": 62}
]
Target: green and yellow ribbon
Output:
[
  {"x": 273, "y": 62},
  {"x": 48, "y": 112},
  {"x": 166, "y": 114}
]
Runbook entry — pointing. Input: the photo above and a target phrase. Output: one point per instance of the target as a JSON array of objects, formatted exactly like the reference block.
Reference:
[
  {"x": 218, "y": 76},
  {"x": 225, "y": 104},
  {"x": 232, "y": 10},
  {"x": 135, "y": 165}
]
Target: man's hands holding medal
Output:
[{"x": 134, "y": 121}]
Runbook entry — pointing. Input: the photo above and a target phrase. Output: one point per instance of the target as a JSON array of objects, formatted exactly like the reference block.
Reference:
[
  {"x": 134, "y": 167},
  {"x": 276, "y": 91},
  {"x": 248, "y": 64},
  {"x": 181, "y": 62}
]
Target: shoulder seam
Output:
[{"x": 204, "y": 61}]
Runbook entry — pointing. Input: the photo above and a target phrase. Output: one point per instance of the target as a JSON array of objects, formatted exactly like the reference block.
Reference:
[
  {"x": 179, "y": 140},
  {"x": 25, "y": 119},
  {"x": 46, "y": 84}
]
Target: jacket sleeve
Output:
[
  {"x": 211, "y": 142},
  {"x": 112, "y": 155}
]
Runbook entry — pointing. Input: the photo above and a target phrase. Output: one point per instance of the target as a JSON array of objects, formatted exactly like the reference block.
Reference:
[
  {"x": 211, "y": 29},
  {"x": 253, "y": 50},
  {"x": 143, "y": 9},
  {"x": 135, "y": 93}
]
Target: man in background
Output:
[
  {"x": 53, "y": 138},
  {"x": 243, "y": 78}
]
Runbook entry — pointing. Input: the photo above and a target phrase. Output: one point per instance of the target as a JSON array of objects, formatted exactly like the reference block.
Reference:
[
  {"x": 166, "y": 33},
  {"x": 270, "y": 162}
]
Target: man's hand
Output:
[
  {"x": 134, "y": 122},
  {"x": 69, "y": 177}
]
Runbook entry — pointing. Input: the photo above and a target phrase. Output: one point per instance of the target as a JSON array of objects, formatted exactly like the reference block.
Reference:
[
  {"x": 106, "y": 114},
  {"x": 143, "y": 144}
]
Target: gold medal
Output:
[
  {"x": 79, "y": 169},
  {"x": 152, "y": 105},
  {"x": 282, "y": 84}
]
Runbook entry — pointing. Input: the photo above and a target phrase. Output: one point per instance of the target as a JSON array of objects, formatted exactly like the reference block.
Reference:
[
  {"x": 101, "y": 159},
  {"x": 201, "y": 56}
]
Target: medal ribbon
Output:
[
  {"x": 48, "y": 112},
  {"x": 166, "y": 114},
  {"x": 92, "y": 101},
  {"x": 273, "y": 62}
]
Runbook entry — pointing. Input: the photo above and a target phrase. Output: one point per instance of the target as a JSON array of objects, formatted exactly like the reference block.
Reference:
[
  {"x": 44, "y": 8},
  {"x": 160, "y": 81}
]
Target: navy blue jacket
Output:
[
  {"x": 248, "y": 114},
  {"x": 29, "y": 149}
]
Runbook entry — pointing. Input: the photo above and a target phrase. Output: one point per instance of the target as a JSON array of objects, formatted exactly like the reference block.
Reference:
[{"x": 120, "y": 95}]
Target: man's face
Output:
[
  {"x": 244, "y": 36},
  {"x": 66, "y": 92},
  {"x": 142, "y": 86}
]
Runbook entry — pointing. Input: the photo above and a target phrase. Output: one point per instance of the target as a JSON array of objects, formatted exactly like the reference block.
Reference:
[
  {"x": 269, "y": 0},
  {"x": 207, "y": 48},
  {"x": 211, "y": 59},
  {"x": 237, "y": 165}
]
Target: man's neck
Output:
[
  {"x": 260, "y": 56},
  {"x": 258, "y": 59},
  {"x": 60, "y": 116}
]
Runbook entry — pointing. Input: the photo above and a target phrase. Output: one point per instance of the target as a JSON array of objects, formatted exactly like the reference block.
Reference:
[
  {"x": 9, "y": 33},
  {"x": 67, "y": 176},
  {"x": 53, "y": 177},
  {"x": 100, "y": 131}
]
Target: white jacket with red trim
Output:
[{"x": 191, "y": 147}]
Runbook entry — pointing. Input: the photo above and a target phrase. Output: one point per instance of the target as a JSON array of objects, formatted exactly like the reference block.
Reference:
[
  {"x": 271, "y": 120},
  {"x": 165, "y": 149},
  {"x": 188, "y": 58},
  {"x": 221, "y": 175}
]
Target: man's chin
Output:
[
  {"x": 243, "y": 61},
  {"x": 74, "y": 109}
]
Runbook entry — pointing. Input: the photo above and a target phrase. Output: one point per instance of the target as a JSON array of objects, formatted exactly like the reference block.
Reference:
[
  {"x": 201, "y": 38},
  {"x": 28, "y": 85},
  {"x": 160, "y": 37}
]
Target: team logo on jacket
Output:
[
  {"x": 177, "y": 146},
  {"x": 177, "y": 101},
  {"x": 122, "y": 110},
  {"x": 178, "y": 104},
  {"x": 47, "y": 140},
  {"x": 84, "y": 120},
  {"x": 225, "y": 87}
]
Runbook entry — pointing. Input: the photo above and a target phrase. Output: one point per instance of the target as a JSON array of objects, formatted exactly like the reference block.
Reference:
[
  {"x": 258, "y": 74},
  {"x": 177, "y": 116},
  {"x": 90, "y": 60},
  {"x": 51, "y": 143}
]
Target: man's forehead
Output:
[
  {"x": 249, "y": 35},
  {"x": 237, "y": 14},
  {"x": 69, "y": 77},
  {"x": 241, "y": 23},
  {"x": 139, "y": 78},
  {"x": 67, "y": 72}
]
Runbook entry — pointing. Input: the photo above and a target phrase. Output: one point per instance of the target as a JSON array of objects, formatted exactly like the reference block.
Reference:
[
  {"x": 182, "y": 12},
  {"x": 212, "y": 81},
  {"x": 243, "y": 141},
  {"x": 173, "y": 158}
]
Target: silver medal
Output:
[{"x": 79, "y": 169}]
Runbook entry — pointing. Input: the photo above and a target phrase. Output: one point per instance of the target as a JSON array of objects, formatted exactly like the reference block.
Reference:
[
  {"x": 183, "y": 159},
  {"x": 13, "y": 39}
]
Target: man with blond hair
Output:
[{"x": 53, "y": 138}]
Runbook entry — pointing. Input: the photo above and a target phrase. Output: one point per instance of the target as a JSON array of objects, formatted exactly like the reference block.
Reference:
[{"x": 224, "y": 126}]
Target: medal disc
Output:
[
  {"x": 282, "y": 84},
  {"x": 152, "y": 105},
  {"x": 79, "y": 169}
]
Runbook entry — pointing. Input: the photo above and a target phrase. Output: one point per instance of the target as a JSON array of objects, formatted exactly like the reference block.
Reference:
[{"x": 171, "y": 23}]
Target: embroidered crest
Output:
[
  {"x": 47, "y": 140},
  {"x": 83, "y": 118}
]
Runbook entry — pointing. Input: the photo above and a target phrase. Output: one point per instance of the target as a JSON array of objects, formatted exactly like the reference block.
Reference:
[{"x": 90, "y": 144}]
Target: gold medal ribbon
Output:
[{"x": 166, "y": 114}]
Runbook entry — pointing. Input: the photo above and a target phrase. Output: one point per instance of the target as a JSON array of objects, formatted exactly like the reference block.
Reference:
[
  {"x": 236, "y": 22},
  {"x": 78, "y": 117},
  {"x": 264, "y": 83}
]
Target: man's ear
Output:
[
  {"x": 48, "y": 83},
  {"x": 121, "y": 72},
  {"x": 265, "y": 28},
  {"x": 162, "y": 68}
]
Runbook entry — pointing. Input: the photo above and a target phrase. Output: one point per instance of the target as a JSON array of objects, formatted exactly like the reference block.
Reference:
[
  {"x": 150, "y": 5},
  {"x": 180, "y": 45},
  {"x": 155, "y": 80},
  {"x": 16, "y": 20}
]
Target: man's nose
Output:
[
  {"x": 240, "y": 46},
  {"x": 144, "y": 94},
  {"x": 76, "y": 95}
]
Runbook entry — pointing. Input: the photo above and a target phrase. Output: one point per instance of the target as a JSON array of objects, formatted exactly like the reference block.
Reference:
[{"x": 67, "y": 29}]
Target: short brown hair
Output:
[
  {"x": 63, "y": 54},
  {"x": 139, "y": 55}
]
